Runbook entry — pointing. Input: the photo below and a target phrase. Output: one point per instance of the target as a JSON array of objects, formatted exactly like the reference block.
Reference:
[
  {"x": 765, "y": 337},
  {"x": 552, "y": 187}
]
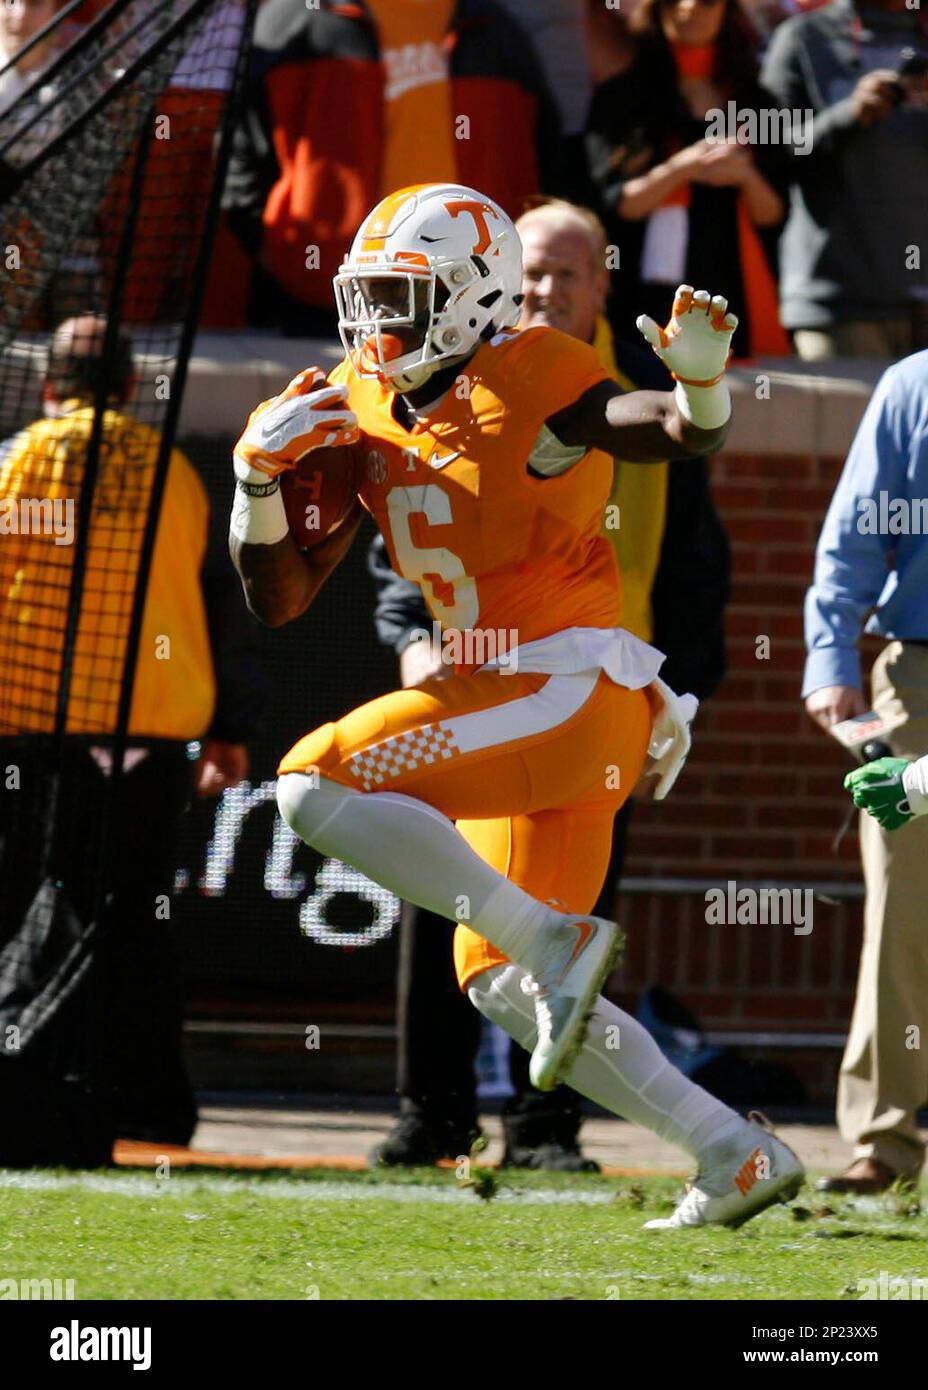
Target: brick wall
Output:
[{"x": 761, "y": 795}]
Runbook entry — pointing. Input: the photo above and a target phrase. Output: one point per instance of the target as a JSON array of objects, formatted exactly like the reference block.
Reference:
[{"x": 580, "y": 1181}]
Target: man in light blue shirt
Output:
[{"x": 871, "y": 575}]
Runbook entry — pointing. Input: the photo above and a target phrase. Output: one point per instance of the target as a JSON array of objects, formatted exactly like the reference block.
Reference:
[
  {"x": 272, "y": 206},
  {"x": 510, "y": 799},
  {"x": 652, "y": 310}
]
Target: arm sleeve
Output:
[
  {"x": 606, "y": 157},
  {"x": 851, "y": 557},
  {"x": 507, "y": 45},
  {"x": 242, "y": 687},
  {"x": 400, "y": 611}
]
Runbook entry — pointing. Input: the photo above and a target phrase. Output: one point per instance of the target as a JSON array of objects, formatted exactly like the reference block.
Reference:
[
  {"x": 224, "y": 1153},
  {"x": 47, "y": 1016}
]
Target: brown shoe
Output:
[{"x": 865, "y": 1177}]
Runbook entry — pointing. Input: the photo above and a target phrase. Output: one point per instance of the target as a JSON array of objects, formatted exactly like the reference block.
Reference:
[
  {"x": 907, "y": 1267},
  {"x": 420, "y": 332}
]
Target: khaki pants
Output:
[{"x": 884, "y": 1074}]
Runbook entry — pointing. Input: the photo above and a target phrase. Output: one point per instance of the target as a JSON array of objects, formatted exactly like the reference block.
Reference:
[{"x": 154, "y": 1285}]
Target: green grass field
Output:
[{"x": 424, "y": 1235}]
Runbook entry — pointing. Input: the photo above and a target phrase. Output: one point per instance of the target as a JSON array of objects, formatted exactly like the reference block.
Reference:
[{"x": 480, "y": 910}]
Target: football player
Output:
[{"x": 488, "y": 797}]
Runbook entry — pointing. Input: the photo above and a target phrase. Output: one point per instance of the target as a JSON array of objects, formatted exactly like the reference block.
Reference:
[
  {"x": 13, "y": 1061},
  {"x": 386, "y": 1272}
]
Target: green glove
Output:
[{"x": 877, "y": 787}]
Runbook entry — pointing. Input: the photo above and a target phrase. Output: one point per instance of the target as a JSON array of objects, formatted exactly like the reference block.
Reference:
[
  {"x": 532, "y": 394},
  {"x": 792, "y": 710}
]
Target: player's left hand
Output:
[
  {"x": 877, "y": 788},
  {"x": 696, "y": 344},
  {"x": 308, "y": 414},
  {"x": 221, "y": 765}
]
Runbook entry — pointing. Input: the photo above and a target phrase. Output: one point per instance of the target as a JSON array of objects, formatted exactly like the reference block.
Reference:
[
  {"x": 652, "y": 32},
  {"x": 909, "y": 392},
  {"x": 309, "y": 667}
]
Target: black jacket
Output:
[{"x": 637, "y": 120}]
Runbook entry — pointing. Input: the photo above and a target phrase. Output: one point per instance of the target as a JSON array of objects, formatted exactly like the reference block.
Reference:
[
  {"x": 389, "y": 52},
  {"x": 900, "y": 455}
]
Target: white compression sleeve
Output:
[
  {"x": 915, "y": 785},
  {"x": 412, "y": 849},
  {"x": 258, "y": 515},
  {"x": 706, "y": 407},
  {"x": 620, "y": 1065}
]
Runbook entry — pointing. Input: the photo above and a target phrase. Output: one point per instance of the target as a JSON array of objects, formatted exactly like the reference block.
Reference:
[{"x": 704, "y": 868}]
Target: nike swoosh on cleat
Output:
[{"x": 584, "y": 931}]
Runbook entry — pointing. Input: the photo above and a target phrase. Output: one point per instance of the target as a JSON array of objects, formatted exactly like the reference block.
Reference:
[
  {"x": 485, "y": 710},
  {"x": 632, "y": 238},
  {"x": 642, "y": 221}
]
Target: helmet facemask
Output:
[{"x": 399, "y": 325}]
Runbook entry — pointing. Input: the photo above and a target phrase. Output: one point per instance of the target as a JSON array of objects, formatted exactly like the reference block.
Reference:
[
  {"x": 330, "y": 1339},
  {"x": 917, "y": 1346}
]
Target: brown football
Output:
[{"x": 320, "y": 491}]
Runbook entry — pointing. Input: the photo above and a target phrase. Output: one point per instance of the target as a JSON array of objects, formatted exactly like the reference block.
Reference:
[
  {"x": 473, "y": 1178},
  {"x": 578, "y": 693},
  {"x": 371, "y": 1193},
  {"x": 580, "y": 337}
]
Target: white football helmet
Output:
[{"x": 433, "y": 270}]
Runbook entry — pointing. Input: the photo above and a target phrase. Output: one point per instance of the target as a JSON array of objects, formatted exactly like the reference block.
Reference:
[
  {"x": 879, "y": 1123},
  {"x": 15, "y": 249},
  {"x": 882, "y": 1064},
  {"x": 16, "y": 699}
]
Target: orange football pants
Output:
[{"x": 532, "y": 768}]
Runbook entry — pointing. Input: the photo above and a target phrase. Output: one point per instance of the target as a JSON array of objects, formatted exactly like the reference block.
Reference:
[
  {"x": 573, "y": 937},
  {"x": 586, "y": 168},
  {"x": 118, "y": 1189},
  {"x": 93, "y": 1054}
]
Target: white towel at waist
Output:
[{"x": 628, "y": 661}]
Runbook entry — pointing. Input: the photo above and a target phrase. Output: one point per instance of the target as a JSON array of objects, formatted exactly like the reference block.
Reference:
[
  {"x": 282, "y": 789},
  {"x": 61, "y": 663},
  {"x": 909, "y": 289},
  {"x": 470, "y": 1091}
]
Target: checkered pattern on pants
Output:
[{"x": 402, "y": 753}]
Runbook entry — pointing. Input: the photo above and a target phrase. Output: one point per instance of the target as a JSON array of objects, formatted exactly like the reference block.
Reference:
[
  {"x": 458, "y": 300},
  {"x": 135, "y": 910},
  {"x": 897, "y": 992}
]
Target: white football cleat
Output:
[
  {"x": 584, "y": 951},
  {"x": 752, "y": 1170}
]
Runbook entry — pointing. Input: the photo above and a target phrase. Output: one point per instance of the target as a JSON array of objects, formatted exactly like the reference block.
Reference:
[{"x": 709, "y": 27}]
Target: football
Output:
[{"x": 320, "y": 491}]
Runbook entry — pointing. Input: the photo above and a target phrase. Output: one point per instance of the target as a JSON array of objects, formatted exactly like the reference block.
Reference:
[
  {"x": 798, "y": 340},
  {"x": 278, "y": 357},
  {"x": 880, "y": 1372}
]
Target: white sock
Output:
[
  {"x": 414, "y": 851},
  {"x": 633, "y": 1079}
]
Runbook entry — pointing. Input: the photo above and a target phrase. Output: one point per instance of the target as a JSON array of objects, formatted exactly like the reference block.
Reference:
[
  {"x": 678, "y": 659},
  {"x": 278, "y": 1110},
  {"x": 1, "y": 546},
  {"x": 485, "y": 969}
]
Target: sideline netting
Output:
[{"x": 112, "y": 157}]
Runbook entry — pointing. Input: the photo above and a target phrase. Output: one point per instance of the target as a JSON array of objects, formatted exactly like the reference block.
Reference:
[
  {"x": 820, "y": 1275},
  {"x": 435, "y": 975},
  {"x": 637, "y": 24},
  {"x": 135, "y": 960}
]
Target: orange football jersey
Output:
[{"x": 492, "y": 545}]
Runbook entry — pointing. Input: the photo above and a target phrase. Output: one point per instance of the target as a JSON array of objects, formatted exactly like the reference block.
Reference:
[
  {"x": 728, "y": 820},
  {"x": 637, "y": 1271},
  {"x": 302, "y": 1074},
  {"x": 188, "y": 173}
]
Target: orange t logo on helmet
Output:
[{"x": 476, "y": 211}]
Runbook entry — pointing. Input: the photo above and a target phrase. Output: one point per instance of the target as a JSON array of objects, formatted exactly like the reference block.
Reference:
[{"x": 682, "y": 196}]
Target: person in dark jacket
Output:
[
  {"x": 669, "y": 541},
  {"x": 347, "y": 103},
  {"x": 851, "y": 283},
  {"x": 680, "y": 197}
]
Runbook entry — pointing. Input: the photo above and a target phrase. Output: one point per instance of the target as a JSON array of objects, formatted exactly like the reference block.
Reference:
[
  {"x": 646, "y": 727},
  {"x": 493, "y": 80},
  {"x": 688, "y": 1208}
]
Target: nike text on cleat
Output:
[
  {"x": 583, "y": 953},
  {"x": 751, "y": 1171}
]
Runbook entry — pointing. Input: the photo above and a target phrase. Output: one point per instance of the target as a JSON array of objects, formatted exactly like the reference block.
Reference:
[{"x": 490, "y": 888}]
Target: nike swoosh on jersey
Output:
[{"x": 445, "y": 458}]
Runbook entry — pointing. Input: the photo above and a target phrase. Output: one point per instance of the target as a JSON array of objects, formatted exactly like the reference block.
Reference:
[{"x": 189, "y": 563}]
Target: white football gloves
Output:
[
  {"x": 306, "y": 415},
  {"x": 696, "y": 347}
]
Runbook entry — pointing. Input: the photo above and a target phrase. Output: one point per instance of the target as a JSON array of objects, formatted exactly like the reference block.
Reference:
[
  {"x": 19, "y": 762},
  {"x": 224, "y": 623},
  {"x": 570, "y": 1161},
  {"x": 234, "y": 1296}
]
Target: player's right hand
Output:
[
  {"x": 878, "y": 788},
  {"x": 307, "y": 415}
]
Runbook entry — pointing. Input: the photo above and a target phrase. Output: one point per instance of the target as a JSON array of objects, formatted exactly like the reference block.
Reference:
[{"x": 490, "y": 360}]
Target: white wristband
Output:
[
  {"x": 915, "y": 786},
  {"x": 261, "y": 519},
  {"x": 706, "y": 407}
]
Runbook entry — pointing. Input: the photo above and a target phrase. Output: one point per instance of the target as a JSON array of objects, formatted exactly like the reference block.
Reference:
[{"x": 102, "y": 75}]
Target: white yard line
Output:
[{"x": 292, "y": 1189}]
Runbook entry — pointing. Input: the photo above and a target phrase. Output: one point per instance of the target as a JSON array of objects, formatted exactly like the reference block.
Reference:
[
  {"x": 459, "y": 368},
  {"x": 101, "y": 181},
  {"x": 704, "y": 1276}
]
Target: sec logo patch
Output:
[{"x": 375, "y": 467}]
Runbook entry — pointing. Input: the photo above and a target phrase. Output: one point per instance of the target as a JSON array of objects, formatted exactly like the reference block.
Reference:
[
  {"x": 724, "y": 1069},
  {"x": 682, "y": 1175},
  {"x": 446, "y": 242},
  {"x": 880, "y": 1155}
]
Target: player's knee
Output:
[
  {"x": 315, "y": 752},
  {"x": 308, "y": 802}
]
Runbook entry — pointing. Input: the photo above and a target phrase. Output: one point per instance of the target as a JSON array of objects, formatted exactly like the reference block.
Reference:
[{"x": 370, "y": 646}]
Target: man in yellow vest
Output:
[
  {"x": 197, "y": 695},
  {"x": 669, "y": 542}
]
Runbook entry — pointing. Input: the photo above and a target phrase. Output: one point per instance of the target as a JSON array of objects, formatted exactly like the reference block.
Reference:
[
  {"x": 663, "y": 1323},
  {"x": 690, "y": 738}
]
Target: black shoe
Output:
[
  {"x": 541, "y": 1131},
  {"x": 551, "y": 1158},
  {"x": 416, "y": 1142}
]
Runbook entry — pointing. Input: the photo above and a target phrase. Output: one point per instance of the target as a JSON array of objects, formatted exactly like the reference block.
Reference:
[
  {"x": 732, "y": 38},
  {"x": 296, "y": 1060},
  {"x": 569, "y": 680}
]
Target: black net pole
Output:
[
  {"x": 172, "y": 414},
  {"x": 95, "y": 1022}
]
